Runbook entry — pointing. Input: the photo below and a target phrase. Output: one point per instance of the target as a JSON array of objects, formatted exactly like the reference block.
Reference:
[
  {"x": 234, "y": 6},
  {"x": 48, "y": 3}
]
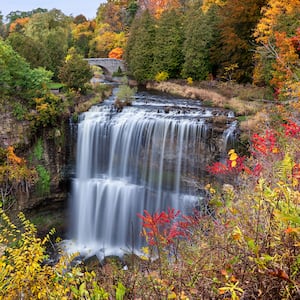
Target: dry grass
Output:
[
  {"x": 189, "y": 92},
  {"x": 221, "y": 95},
  {"x": 255, "y": 123},
  {"x": 244, "y": 108},
  {"x": 237, "y": 98}
]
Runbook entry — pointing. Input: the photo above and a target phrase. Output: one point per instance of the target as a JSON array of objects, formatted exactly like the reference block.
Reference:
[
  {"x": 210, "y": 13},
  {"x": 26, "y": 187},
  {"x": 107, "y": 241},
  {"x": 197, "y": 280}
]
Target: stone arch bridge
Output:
[{"x": 108, "y": 65}]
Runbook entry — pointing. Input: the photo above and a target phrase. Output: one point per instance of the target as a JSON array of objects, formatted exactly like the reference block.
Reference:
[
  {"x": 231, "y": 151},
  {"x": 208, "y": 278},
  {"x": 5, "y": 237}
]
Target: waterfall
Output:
[
  {"x": 229, "y": 137},
  {"x": 133, "y": 161}
]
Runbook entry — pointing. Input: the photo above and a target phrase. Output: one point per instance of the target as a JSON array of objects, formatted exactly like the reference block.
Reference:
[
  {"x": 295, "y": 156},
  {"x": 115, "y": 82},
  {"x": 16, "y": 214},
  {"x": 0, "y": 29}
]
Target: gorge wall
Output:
[{"x": 56, "y": 145}]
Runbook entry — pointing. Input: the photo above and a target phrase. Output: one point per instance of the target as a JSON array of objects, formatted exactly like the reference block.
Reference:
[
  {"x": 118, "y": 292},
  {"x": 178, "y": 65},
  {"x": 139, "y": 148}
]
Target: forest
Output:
[{"x": 247, "y": 245}]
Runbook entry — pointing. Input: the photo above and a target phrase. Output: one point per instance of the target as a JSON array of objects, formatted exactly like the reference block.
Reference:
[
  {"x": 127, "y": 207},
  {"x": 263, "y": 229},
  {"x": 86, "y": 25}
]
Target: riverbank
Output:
[{"x": 247, "y": 102}]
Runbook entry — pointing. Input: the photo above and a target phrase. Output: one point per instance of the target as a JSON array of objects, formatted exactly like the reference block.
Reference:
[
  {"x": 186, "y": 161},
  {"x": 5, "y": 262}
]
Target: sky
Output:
[{"x": 69, "y": 7}]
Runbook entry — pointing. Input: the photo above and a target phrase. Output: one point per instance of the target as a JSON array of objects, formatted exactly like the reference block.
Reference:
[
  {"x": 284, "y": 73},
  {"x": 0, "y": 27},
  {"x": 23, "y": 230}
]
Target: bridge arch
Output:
[{"x": 109, "y": 65}]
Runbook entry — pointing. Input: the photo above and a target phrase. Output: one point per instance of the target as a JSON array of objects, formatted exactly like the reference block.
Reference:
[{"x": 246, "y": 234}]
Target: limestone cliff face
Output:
[
  {"x": 12, "y": 131},
  {"x": 56, "y": 158}
]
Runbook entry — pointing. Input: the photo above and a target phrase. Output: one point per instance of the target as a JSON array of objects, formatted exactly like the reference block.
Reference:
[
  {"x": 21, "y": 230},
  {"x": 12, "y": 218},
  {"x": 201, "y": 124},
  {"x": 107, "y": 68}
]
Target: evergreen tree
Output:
[
  {"x": 199, "y": 34},
  {"x": 139, "y": 50},
  {"x": 168, "y": 44}
]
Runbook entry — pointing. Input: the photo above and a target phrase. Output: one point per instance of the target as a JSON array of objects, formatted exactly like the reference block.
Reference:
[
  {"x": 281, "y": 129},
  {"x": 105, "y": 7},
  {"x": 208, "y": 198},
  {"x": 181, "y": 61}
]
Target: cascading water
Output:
[{"x": 135, "y": 160}]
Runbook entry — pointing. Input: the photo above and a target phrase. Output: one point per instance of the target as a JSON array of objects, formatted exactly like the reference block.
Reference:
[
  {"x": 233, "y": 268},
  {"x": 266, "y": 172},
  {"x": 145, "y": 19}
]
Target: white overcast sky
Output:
[{"x": 69, "y": 7}]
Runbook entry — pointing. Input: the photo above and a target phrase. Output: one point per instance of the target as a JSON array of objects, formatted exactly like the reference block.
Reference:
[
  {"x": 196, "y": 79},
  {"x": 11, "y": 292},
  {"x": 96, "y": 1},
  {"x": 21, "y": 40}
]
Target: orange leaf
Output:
[
  {"x": 280, "y": 274},
  {"x": 296, "y": 171}
]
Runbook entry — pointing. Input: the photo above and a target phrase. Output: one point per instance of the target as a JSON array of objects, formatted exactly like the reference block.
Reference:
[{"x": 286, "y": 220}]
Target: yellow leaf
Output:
[
  {"x": 237, "y": 234},
  {"x": 231, "y": 151},
  {"x": 233, "y": 164},
  {"x": 145, "y": 250},
  {"x": 172, "y": 295},
  {"x": 233, "y": 156}
]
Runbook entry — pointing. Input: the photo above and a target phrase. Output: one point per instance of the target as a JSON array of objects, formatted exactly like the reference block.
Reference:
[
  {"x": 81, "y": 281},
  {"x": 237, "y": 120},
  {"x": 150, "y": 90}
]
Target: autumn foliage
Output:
[
  {"x": 243, "y": 239},
  {"x": 18, "y": 24},
  {"x": 162, "y": 229},
  {"x": 157, "y": 7},
  {"x": 116, "y": 53},
  {"x": 15, "y": 177},
  {"x": 25, "y": 273},
  {"x": 277, "y": 56}
]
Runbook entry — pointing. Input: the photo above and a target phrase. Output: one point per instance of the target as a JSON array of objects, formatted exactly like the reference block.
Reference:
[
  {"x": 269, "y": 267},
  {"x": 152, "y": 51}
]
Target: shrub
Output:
[
  {"x": 43, "y": 184},
  {"x": 25, "y": 273},
  {"x": 48, "y": 109},
  {"x": 19, "y": 111},
  {"x": 38, "y": 150},
  {"x": 161, "y": 76},
  {"x": 124, "y": 95},
  {"x": 189, "y": 81}
]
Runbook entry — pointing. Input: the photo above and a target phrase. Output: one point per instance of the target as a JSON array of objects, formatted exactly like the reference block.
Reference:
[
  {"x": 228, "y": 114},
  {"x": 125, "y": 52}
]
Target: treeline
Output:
[
  {"x": 253, "y": 41},
  {"x": 246, "y": 41},
  {"x": 44, "y": 37}
]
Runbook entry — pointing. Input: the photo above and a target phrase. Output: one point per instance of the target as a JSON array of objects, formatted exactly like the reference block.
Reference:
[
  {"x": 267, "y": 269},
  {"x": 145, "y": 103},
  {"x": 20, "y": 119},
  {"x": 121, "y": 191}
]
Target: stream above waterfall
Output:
[{"x": 150, "y": 156}]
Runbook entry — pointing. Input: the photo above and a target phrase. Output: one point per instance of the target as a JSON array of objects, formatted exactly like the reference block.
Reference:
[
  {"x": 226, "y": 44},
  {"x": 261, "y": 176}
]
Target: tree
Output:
[
  {"x": 168, "y": 43},
  {"x": 139, "y": 49},
  {"x": 199, "y": 28},
  {"x": 116, "y": 53},
  {"x": 131, "y": 11},
  {"x": 15, "y": 177},
  {"x": 75, "y": 72},
  {"x": 80, "y": 19},
  {"x": 113, "y": 14},
  {"x": 18, "y": 25},
  {"x": 105, "y": 41},
  {"x": 14, "y": 15},
  {"x": 278, "y": 16},
  {"x": 237, "y": 20},
  {"x": 3, "y": 30},
  {"x": 32, "y": 50},
  {"x": 52, "y": 31},
  {"x": 157, "y": 7},
  {"x": 285, "y": 74},
  {"x": 118, "y": 14},
  {"x": 277, "y": 53},
  {"x": 82, "y": 34},
  {"x": 17, "y": 78}
]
